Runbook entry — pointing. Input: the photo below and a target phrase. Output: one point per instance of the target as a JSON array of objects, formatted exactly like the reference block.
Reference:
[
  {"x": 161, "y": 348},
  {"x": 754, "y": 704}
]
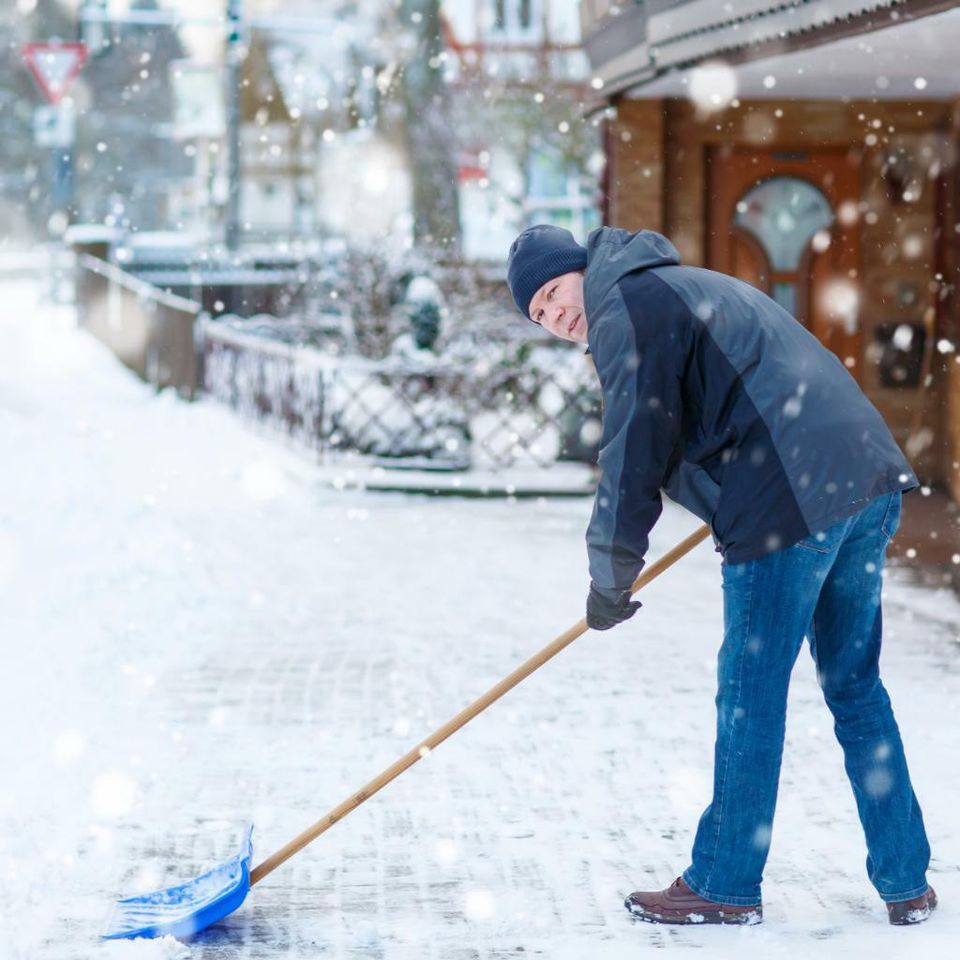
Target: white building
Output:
[
  {"x": 533, "y": 46},
  {"x": 319, "y": 156}
]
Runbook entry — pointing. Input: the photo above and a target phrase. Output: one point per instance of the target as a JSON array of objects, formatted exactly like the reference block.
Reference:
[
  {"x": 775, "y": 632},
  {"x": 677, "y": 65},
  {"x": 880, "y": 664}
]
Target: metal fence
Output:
[
  {"x": 503, "y": 405},
  {"x": 481, "y": 403}
]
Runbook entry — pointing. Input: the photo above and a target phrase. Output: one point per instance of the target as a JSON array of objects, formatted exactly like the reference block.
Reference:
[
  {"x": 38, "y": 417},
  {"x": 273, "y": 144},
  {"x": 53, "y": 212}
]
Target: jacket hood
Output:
[{"x": 612, "y": 253}]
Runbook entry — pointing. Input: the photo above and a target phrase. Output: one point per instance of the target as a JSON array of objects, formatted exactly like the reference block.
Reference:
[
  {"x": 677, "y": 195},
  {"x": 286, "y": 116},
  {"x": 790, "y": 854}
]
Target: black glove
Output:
[{"x": 606, "y": 608}]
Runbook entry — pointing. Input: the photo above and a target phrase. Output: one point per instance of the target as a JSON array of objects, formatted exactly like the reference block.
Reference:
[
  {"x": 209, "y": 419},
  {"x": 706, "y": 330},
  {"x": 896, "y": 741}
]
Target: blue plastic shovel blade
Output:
[{"x": 187, "y": 908}]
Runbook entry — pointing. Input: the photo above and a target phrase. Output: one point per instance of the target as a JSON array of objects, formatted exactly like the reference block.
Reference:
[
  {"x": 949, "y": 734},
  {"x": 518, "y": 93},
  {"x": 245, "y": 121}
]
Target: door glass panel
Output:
[
  {"x": 783, "y": 213},
  {"x": 786, "y": 295}
]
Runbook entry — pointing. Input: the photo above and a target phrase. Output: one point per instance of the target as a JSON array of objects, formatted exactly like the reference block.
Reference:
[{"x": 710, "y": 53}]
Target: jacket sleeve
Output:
[{"x": 639, "y": 362}]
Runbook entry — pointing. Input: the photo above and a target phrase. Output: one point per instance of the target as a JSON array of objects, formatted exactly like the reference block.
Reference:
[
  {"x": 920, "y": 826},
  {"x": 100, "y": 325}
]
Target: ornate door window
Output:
[
  {"x": 783, "y": 215},
  {"x": 773, "y": 221}
]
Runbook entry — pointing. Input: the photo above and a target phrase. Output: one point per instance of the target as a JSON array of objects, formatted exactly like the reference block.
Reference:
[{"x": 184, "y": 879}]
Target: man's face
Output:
[{"x": 558, "y": 307}]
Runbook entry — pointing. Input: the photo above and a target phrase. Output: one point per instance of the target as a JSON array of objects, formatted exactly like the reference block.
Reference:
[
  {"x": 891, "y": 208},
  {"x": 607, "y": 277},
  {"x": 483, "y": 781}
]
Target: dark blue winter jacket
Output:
[{"x": 717, "y": 396}]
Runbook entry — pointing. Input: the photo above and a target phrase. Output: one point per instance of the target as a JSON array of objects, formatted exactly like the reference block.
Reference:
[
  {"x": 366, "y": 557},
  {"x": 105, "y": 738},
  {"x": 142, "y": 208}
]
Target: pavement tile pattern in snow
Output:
[{"x": 196, "y": 632}]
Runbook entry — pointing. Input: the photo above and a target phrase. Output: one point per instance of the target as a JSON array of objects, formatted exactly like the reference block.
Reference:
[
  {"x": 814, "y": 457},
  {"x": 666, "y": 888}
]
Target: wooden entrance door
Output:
[{"x": 786, "y": 221}]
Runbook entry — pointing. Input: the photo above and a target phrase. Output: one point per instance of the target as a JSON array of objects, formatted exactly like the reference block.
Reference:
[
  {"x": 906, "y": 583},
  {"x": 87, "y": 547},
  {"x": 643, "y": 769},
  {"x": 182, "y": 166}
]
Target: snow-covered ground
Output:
[{"x": 197, "y": 631}]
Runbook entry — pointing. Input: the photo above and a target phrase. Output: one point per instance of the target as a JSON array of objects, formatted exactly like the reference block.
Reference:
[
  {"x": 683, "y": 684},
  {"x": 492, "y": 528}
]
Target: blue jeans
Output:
[{"x": 826, "y": 587}]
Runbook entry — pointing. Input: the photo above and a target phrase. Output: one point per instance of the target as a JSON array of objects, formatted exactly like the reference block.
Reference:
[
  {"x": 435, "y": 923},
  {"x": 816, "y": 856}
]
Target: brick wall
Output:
[{"x": 635, "y": 175}]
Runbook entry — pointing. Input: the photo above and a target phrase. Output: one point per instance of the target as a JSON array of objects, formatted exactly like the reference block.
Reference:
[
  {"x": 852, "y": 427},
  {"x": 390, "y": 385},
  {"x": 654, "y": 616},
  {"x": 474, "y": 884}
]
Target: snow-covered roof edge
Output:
[{"x": 685, "y": 34}]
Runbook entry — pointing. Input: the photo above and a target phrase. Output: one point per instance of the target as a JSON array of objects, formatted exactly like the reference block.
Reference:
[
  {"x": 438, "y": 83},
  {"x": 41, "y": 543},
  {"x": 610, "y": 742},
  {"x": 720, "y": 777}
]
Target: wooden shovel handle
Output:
[{"x": 464, "y": 716}]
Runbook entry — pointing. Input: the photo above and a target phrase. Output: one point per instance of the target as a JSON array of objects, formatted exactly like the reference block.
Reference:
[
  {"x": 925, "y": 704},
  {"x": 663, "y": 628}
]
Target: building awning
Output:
[{"x": 838, "y": 50}]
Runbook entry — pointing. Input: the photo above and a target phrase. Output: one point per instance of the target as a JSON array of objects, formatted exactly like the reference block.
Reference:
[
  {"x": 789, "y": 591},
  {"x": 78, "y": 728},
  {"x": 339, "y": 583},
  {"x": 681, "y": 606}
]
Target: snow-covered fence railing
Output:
[
  {"x": 266, "y": 380},
  {"x": 150, "y": 331},
  {"x": 492, "y": 411}
]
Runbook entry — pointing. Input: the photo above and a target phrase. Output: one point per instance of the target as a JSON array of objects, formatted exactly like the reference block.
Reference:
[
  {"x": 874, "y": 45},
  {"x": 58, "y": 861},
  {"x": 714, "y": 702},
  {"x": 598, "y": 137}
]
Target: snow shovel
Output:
[{"x": 187, "y": 908}]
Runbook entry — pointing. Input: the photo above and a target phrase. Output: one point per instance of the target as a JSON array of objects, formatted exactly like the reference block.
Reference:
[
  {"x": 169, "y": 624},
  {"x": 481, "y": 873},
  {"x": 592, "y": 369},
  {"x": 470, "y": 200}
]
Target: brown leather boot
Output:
[
  {"x": 902, "y": 913},
  {"x": 679, "y": 904}
]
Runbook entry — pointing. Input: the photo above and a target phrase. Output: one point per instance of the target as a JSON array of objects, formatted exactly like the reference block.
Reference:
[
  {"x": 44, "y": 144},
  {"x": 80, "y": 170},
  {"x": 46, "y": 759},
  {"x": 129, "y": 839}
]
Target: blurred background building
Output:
[{"x": 325, "y": 94}]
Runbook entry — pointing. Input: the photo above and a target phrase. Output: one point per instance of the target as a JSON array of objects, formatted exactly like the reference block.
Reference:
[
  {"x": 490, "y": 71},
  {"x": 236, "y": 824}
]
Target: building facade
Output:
[
  {"x": 811, "y": 150},
  {"x": 518, "y": 72}
]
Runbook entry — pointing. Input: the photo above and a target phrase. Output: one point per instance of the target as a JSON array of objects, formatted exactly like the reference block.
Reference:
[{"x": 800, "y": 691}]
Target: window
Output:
[
  {"x": 784, "y": 214},
  {"x": 513, "y": 16},
  {"x": 560, "y": 194}
]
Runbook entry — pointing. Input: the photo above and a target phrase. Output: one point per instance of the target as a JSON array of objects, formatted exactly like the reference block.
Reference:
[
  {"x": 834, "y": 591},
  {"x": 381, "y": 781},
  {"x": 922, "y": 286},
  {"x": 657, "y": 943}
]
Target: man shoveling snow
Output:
[{"x": 715, "y": 395}]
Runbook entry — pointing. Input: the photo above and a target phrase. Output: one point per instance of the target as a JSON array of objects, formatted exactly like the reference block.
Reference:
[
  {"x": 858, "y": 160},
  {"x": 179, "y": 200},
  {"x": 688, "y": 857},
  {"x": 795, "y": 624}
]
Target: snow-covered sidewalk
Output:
[{"x": 196, "y": 631}]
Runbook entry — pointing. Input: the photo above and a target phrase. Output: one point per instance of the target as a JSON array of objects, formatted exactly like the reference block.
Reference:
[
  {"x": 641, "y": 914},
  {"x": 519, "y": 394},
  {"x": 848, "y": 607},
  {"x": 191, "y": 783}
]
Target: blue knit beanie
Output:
[{"x": 539, "y": 254}]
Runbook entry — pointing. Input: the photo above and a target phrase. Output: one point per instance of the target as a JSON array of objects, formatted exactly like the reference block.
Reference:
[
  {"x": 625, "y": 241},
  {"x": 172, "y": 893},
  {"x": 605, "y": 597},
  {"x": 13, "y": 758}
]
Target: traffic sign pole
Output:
[
  {"x": 54, "y": 66},
  {"x": 234, "y": 57}
]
